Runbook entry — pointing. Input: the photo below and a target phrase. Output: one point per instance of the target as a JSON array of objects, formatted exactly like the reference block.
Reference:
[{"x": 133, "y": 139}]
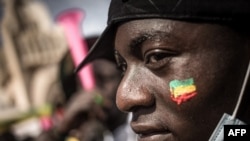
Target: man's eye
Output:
[
  {"x": 157, "y": 58},
  {"x": 154, "y": 58},
  {"x": 121, "y": 64},
  {"x": 123, "y": 67}
]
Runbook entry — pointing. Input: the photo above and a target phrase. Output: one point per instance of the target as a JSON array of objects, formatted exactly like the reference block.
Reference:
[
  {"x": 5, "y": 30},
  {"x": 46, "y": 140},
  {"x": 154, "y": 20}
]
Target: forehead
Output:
[
  {"x": 152, "y": 25},
  {"x": 179, "y": 31},
  {"x": 173, "y": 29}
]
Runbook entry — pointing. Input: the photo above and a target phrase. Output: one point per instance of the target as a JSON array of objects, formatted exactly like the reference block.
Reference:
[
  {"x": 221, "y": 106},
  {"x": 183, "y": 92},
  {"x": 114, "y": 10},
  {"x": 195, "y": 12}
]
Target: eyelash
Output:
[
  {"x": 121, "y": 63},
  {"x": 157, "y": 58},
  {"x": 161, "y": 58}
]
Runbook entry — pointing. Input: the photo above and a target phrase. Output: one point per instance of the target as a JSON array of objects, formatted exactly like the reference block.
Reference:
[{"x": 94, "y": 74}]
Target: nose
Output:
[{"x": 134, "y": 90}]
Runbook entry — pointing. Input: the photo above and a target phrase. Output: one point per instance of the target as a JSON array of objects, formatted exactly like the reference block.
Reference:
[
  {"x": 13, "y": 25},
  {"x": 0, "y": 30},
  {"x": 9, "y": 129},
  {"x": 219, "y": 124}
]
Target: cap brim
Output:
[{"x": 102, "y": 48}]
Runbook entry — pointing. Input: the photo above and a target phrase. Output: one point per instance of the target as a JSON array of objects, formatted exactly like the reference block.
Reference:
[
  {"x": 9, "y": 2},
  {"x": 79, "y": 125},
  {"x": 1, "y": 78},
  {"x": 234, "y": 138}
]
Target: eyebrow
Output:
[{"x": 141, "y": 38}]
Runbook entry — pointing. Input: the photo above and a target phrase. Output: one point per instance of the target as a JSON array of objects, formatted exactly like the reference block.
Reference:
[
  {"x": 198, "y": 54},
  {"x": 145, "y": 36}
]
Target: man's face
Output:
[{"x": 206, "y": 62}]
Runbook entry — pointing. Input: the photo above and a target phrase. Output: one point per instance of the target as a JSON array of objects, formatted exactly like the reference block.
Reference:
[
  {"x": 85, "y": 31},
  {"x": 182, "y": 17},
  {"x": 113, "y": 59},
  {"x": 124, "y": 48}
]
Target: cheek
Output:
[
  {"x": 182, "y": 90},
  {"x": 216, "y": 89}
]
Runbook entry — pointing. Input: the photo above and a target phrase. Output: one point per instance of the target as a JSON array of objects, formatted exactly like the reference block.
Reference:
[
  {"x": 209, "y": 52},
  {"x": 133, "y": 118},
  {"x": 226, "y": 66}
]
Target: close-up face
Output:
[{"x": 178, "y": 77}]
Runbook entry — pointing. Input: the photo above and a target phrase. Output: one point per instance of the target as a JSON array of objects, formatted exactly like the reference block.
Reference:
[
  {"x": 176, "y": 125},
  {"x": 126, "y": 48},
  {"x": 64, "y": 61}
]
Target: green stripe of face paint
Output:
[
  {"x": 186, "y": 91},
  {"x": 177, "y": 83}
]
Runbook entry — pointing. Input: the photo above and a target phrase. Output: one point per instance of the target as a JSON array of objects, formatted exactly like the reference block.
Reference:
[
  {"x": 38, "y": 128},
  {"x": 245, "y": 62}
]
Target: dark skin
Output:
[{"x": 153, "y": 52}]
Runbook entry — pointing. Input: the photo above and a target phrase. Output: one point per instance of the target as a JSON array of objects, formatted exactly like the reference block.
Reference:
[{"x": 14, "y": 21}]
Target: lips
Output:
[{"x": 150, "y": 131}]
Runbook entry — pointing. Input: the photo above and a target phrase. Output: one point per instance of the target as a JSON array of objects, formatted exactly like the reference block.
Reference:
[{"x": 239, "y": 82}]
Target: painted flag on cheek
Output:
[{"x": 182, "y": 90}]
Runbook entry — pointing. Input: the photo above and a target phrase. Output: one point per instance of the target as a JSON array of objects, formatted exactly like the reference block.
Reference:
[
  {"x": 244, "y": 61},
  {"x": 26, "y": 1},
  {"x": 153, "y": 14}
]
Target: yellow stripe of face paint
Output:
[{"x": 183, "y": 90}]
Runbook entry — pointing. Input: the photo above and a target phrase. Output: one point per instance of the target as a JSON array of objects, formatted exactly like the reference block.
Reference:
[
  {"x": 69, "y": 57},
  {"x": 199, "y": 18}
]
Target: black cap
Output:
[{"x": 221, "y": 11}]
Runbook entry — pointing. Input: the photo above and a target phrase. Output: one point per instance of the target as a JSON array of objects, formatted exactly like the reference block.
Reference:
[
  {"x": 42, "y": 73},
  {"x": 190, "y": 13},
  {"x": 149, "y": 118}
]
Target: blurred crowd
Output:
[{"x": 41, "y": 98}]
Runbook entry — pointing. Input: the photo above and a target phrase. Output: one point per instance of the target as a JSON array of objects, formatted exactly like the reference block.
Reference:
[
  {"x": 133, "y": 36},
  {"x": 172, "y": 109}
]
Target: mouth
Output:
[{"x": 151, "y": 132}]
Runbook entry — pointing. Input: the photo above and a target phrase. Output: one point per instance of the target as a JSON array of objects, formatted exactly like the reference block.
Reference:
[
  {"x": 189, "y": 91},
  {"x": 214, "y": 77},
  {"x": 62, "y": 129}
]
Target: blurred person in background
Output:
[
  {"x": 33, "y": 46},
  {"x": 89, "y": 115},
  {"x": 93, "y": 116},
  {"x": 38, "y": 59}
]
